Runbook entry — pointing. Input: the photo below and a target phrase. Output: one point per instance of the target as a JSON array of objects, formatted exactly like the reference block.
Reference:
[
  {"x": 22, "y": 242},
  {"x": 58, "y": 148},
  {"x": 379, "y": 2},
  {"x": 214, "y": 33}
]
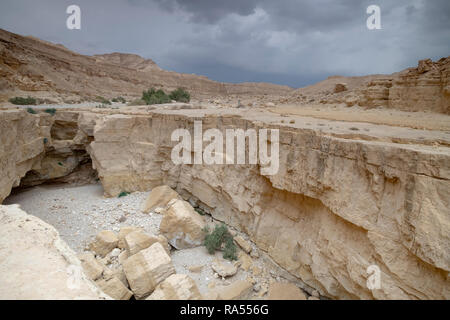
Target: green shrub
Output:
[
  {"x": 23, "y": 101},
  {"x": 119, "y": 99},
  {"x": 180, "y": 95},
  {"x": 123, "y": 194},
  {"x": 230, "y": 249},
  {"x": 215, "y": 239},
  {"x": 31, "y": 110},
  {"x": 153, "y": 96},
  {"x": 51, "y": 111},
  {"x": 200, "y": 211},
  {"x": 102, "y": 100}
]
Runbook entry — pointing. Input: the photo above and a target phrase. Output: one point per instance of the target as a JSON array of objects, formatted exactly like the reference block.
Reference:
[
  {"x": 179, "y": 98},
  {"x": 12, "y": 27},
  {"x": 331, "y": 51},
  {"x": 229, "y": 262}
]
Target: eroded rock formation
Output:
[
  {"x": 424, "y": 88},
  {"x": 36, "y": 263},
  {"x": 338, "y": 204}
]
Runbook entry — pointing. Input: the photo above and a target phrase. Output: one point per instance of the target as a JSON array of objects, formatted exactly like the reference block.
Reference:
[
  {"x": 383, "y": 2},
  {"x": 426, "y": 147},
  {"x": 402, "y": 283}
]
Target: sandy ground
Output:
[
  {"x": 79, "y": 213},
  {"x": 391, "y": 117}
]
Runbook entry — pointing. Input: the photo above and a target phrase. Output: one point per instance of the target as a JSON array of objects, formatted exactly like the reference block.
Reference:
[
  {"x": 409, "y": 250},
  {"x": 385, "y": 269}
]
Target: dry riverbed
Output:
[{"x": 80, "y": 212}]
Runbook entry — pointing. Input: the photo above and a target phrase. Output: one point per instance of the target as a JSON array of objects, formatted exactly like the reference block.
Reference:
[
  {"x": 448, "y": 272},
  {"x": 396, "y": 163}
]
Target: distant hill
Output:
[{"x": 30, "y": 66}]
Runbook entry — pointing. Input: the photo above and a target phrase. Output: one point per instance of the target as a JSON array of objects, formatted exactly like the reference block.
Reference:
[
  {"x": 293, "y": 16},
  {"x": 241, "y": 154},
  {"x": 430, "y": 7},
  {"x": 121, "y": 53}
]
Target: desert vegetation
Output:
[
  {"x": 153, "y": 96},
  {"x": 23, "y": 101},
  {"x": 218, "y": 239}
]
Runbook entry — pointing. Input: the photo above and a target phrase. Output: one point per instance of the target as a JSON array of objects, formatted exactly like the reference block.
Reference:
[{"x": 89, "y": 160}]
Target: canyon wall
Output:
[{"x": 337, "y": 205}]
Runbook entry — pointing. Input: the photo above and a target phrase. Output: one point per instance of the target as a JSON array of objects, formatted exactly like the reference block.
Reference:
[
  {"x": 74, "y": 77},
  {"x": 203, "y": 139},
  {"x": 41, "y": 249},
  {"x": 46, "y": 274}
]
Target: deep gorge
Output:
[{"x": 337, "y": 205}]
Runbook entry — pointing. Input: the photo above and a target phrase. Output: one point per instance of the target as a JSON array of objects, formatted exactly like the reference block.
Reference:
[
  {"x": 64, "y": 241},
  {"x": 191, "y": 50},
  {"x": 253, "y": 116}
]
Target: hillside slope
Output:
[{"x": 29, "y": 66}]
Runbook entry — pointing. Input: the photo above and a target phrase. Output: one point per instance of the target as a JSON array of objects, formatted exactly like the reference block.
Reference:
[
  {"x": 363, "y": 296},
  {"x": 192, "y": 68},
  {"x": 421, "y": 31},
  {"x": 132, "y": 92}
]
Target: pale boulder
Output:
[
  {"x": 159, "y": 197},
  {"x": 137, "y": 241},
  {"x": 224, "y": 268},
  {"x": 104, "y": 243},
  {"x": 123, "y": 233},
  {"x": 115, "y": 289},
  {"x": 244, "y": 244},
  {"x": 91, "y": 266},
  {"x": 182, "y": 225},
  {"x": 36, "y": 264},
  {"x": 176, "y": 287},
  {"x": 147, "y": 268}
]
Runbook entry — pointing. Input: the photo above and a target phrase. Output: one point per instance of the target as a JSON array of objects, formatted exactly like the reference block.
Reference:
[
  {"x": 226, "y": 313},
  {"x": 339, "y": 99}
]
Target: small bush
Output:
[
  {"x": 23, "y": 101},
  {"x": 31, "y": 110},
  {"x": 102, "y": 100},
  {"x": 123, "y": 194},
  {"x": 154, "y": 96},
  {"x": 119, "y": 99},
  {"x": 51, "y": 111},
  {"x": 200, "y": 211},
  {"x": 180, "y": 95},
  {"x": 215, "y": 239},
  {"x": 230, "y": 249}
]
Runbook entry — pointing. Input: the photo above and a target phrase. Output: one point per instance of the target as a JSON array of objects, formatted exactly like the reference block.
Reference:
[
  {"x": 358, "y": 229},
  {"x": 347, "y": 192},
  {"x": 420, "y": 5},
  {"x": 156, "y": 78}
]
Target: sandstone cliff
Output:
[
  {"x": 424, "y": 88},
  {"x": 341, "y": 201}
]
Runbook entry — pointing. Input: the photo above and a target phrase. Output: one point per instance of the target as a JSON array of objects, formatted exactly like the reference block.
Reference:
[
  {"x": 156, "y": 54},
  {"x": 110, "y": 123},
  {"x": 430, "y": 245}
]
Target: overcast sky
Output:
[{"x": 290, "y": 42}]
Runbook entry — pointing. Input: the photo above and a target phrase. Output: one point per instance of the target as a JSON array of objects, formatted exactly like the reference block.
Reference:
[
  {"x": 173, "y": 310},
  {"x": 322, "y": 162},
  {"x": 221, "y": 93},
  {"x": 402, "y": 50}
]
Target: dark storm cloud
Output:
[
  {"x": 285, "y": 41},
  {"x": 207, "y": 11}
]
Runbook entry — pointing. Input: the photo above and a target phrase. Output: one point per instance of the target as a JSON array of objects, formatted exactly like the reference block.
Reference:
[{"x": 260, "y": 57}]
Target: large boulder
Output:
[
  {"x": 123, "y": 233},
  {"x": 137, "y": 241},
  {"x": 182, "y": 225},
  {"x": 176, "y": 287},
  {"x": 224, "y": 268},
  {"x": 115, "y": 289},
  {"x": 159, "y": 197},
  {"x": 91, "y": 266},
  {"x": 147, "y": 268},
  {"x": 104, "y": 242},
  {"x": 36, "y": 263}
]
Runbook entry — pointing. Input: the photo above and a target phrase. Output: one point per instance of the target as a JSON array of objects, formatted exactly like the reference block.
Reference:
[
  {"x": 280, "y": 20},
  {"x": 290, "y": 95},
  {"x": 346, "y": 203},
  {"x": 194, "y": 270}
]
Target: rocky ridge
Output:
[
  {"x": 424, "y": 88},
  {"x": 29, "y": 66}
]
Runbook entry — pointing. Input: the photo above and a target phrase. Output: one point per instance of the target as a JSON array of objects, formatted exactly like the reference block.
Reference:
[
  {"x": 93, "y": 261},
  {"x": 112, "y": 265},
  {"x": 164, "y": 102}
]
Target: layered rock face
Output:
[
  {"x": 36, "y": 263},
  {"x": 21, "y": 147},
  {"x": 335, "y": 207},
  {"x": 425, "y": 88},
  {"x": 338, "y": 204}
]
